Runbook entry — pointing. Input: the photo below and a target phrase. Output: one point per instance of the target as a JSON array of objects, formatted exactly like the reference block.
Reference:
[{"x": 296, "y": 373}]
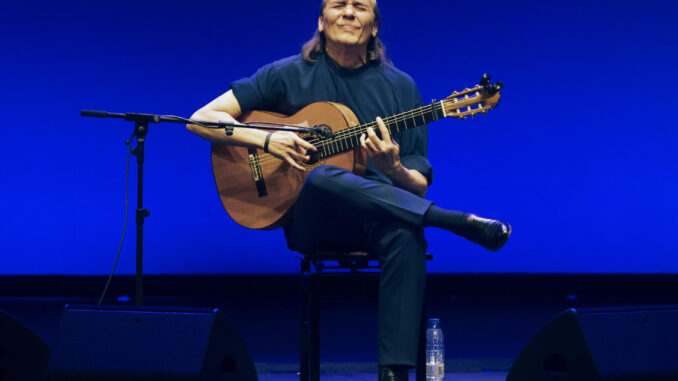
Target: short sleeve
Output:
[
  {"x": 258, "y": 91},
  {"x": 420, "y": 164}
]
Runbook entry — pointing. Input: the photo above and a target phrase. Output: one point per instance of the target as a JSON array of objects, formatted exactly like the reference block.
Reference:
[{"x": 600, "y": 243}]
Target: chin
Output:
[{"x": 349, "y": 40}]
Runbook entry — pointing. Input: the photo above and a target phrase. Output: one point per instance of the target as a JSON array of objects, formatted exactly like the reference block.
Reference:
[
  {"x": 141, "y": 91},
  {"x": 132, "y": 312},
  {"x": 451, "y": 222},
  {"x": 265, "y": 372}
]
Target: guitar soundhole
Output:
[{"x": 315, "y": 157}]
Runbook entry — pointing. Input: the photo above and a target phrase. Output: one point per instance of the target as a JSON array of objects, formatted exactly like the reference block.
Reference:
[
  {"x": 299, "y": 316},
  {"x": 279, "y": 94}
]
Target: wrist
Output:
[
  {"x": 267, "y": 141},
  {"x": 396, "y": 172}
]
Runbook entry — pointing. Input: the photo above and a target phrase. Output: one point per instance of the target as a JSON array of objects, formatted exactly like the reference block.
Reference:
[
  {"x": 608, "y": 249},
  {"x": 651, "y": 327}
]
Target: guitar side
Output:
[{"x": 258, "y": 190}]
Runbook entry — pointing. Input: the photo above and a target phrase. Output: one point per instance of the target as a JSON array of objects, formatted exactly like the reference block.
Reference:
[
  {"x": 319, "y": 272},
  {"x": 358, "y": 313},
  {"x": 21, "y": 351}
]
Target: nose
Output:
[{"x": 349, "y": 11}]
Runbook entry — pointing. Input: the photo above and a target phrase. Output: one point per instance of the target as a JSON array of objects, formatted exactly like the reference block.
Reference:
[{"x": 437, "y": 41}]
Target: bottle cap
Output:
[{"x": 434, "y": 322}]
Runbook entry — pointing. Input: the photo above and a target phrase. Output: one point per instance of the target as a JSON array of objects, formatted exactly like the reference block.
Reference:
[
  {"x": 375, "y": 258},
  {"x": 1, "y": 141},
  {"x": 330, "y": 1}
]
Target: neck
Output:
[
  {"x": 350, "y": 57},
  {"x": 349, "y": 138}
]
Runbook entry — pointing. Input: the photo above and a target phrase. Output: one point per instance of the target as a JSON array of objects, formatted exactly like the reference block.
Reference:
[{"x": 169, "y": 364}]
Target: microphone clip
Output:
[{"x": 322, "y": 130}]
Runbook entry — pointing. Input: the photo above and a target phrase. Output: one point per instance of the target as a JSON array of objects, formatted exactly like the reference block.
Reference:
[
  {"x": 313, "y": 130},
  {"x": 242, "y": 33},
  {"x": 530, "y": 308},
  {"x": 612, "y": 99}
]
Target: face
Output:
[{"x": 348, "y": 22}]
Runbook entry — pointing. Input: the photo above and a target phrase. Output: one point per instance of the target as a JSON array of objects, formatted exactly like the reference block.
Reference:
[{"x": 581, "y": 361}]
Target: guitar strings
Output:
[{"x": 353, "y": 132}]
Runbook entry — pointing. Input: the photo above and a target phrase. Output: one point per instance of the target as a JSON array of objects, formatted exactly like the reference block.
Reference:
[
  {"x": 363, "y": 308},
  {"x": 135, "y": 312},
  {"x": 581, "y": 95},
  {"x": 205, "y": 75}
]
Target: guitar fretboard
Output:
[{"x": 349, "y": 138}]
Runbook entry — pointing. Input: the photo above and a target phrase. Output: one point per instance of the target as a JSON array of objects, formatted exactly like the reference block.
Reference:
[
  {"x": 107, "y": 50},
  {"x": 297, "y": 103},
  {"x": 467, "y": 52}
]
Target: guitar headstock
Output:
[{"x": 479, "y": 99}]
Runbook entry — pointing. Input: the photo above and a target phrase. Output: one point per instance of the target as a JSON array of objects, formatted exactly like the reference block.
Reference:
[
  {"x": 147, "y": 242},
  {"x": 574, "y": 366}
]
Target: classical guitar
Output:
[{"x": 258, "y": 189}]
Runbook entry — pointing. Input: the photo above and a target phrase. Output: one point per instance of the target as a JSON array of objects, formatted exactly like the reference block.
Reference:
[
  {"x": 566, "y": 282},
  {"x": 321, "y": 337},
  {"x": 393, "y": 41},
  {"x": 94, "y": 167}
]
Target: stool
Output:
[{"x": 353, "y": 263}]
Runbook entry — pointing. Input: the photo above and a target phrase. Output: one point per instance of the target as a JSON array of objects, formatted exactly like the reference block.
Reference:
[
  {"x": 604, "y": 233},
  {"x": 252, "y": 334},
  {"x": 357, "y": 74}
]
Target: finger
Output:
[
  {"x": 369, "y": 145},
  {"x": 385, "y": 135},
  {"x": 303, "y": 143},
  {"x": 301, "y": 150},
  {"x": 299, "y": 156},
  {"x": 363, "y": 142},
  {"x": 374, "y": 139},
  {"x": 363, "y": 145},
  {"x": 294, "y": 163}
]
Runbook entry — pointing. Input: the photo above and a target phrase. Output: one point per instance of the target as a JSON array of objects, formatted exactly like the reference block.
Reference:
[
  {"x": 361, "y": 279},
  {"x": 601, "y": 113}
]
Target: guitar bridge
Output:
[{"x": 257, "y": 174}]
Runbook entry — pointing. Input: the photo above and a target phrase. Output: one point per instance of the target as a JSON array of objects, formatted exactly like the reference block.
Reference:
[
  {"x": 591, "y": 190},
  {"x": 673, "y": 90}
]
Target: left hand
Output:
[{"x": 385, "y": 152}]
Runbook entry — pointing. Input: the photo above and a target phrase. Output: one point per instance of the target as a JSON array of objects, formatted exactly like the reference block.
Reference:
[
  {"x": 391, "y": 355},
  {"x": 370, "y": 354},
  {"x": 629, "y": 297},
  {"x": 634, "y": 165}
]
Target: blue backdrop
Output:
[{"x": 580, "y": 155}]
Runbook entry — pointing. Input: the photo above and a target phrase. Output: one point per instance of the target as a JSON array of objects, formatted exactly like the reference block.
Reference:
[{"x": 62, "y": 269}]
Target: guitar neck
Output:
[{"x": 349, "y": 138}]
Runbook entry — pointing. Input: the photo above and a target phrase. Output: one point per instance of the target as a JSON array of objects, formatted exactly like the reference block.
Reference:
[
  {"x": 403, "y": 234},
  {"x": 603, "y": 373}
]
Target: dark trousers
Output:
[{"x": 337, "y": 210}]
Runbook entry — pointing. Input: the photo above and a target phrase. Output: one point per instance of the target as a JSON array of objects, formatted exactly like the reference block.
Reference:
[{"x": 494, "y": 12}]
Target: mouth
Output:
[{"x": 348, "y": 27}]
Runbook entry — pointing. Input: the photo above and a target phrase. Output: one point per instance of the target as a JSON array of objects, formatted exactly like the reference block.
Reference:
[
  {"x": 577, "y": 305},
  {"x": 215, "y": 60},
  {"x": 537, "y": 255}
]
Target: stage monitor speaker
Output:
[
  {"x": 148, "y": 343},
  {"x": 630, "y": 343},
  {"x": 23, "y": 354}
]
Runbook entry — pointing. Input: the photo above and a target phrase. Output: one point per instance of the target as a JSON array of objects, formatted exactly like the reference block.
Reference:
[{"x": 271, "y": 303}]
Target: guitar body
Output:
[{"x": 239, "y": 172}]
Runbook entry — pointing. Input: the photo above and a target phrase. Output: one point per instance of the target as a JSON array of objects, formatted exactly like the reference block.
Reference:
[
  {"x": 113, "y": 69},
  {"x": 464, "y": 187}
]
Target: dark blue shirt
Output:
[{"x": 374, "y": 89}]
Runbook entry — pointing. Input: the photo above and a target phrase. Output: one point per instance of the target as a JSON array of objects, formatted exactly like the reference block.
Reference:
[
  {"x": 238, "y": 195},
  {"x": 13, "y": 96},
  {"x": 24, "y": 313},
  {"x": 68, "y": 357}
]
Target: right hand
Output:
[{"x": 290, "y": 147}]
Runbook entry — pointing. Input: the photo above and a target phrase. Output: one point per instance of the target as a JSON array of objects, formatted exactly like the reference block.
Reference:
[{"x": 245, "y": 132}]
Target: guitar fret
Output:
[
  {"x": 410, "y": 120},
  {"x": 421, "y": 114},
  {"x": 394, "y": 123}
]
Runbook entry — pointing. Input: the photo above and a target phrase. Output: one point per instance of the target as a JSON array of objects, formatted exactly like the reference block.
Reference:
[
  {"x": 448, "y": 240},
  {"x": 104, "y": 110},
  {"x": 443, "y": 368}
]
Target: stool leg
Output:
[{"x": 304, "y": 369}]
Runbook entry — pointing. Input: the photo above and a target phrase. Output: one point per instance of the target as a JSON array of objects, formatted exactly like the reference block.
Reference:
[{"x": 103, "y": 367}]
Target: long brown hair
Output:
[{"x": 316, "y": 45}]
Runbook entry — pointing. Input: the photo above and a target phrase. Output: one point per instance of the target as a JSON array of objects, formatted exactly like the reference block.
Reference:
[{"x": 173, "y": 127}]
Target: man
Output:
[{"x": 385, "y": 211}]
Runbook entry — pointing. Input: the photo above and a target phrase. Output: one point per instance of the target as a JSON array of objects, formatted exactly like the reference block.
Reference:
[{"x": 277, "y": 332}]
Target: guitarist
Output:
[{"x": 385, "y": 211}]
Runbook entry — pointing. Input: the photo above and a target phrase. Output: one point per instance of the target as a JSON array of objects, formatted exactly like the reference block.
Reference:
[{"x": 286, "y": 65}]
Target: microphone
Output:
[
  {"x": 131, "y": 116},
  {"x": 95, "y": 114}
]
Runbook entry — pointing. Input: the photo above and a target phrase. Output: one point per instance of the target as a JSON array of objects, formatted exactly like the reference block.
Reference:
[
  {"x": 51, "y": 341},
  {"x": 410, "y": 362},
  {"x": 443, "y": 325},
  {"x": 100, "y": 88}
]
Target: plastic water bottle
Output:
[{"x": 435, "y": 351}]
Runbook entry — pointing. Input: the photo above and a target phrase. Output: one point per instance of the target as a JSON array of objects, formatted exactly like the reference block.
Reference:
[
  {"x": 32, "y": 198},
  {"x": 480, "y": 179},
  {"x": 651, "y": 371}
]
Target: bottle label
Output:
[{"x": 435, "y": 370}]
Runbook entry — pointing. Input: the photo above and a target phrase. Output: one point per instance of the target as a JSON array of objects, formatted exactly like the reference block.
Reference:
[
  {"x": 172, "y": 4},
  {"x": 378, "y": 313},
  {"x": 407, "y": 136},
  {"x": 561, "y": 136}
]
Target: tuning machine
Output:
[{"x": 488, "y": 86}]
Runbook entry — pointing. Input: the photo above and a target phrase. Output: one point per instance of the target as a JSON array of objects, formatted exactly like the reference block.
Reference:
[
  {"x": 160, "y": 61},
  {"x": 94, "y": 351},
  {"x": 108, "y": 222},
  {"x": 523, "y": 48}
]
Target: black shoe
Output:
[
  {"x": 490, "y": 234},
  {"x": 389, "y": 373}
]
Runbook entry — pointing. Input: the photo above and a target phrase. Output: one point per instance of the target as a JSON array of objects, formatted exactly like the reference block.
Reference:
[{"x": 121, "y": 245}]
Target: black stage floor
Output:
[{"x": 483, "y": 334}]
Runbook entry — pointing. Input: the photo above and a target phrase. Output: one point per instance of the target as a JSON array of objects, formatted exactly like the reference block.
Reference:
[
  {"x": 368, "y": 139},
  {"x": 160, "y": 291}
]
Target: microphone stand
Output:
[{"x": 141, "y": 122}]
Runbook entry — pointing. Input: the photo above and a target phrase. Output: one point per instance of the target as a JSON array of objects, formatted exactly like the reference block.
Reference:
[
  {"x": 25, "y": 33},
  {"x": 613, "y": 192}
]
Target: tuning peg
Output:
[
  {"x": 485, "y": 79},
  {"x": 493, "y": 89}
]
